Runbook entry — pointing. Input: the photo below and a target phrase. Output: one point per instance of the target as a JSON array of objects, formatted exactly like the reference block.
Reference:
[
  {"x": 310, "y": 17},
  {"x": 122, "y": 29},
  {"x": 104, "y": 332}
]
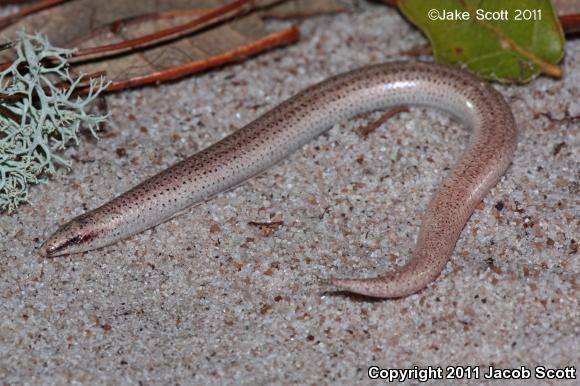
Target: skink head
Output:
[{"x": 76, "y": 236}]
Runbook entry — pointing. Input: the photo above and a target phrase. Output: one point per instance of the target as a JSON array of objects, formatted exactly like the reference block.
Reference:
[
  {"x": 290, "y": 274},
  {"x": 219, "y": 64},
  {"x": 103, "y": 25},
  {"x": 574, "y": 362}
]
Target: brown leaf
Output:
[
  {"x": 237, "y": 39},
  {"x": 37, "y": 6},
  {"x": 304, "y": 8},
  {"x": 129, "y": 34},
  {"x": 147, "y": 30},
  {"x": 73, "y": 19}
]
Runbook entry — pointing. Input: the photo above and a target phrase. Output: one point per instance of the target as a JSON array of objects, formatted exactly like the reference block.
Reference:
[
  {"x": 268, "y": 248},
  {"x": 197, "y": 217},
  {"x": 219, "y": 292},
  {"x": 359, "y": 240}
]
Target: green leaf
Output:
[{"x": 525, "y": 39}]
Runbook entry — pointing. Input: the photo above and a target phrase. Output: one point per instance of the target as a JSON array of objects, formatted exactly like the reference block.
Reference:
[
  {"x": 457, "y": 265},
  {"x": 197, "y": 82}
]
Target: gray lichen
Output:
[{"x": 40, "y": 116}]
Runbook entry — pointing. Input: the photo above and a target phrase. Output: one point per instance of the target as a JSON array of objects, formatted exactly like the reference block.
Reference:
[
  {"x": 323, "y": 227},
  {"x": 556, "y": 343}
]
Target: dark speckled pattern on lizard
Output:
[{"x": 281, "y": 131}]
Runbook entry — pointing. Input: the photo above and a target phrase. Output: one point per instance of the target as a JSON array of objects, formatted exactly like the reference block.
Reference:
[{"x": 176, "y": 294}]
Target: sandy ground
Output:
[{"x": 208, "y": 299}]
